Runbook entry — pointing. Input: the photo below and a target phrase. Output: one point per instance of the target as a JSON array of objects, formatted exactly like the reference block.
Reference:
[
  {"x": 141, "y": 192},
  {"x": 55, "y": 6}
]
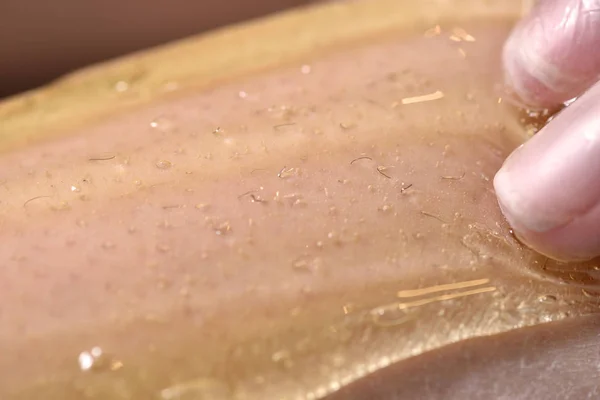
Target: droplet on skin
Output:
[
  {"x": 75, "y": 188},
  {"x": 86, "y": 361},
  {"x": 90, "y": 359},
  {"x": 386, "y": 208},
  {"x": 161, "y": 124},
  {"x": 547, "y": 299},
  {"x": 121, "y": 86},
  {"x": 389, "y": 316},
  {"x": 163, "y": 164}
]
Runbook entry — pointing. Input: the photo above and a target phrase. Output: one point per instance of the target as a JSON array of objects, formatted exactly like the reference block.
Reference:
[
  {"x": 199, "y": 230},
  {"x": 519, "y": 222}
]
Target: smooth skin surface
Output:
[{"x": 282, "y": 235}]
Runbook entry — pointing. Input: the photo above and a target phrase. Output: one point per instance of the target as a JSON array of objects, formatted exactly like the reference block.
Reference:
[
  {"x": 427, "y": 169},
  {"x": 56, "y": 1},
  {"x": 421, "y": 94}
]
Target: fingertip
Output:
[
  {"x": 567, "y": 244},
  {"x": 548, "y": 188},
  {"x": 519, "y": 79},
  {"x": 547, "y": 58}
]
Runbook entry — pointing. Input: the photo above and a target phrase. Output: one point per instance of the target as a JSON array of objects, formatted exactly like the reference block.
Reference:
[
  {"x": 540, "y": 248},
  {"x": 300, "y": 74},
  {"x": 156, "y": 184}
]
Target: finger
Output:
[
  {"x": 553, "y": 55},
  {"x": 549, "y": 188}
]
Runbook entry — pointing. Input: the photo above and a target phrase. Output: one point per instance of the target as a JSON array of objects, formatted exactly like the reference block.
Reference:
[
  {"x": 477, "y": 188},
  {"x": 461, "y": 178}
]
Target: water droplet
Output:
[
  {"x": 92, "y": 359},
  {"x": 547, "y": 299},
  {"x": 86, "y": 361},
  {"x": 386, "y": 208},
  {"x": 121, "y": 86},
  {"x": 389, "y": 316},
  {"x": 75, "y": 188},
  {"x": 162, "y": 124},
  {"x": 163, "y": 164},
  {"x": 242, "y": 94}
]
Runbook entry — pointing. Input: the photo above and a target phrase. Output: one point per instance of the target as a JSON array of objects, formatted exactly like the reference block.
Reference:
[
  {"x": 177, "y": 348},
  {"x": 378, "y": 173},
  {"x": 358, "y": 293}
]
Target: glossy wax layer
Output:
[{"x": 281, "y": 235}]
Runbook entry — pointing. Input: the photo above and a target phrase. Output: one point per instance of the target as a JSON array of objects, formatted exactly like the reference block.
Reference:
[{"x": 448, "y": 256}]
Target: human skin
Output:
[{"x": 232, "y": 241}]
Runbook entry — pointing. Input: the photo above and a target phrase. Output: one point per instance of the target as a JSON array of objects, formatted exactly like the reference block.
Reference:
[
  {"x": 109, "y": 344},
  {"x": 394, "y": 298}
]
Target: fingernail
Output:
[
  {"x": 546, "y": 58},
  {"x": 553, "y": 178}
]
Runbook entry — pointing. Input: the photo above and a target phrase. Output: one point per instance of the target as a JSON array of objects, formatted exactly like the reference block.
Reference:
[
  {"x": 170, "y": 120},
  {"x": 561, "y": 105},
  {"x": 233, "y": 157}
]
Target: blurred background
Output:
[{"x": 41, "y": 40}]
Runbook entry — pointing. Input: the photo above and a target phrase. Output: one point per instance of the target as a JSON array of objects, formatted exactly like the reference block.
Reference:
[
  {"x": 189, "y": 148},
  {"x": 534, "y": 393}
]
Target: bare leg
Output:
[{"x": 279, "y": 236}]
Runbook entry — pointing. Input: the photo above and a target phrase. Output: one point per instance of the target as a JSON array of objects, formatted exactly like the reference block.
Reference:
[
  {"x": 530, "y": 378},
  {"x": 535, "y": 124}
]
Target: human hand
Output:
[{"x": 549, "y": 188}]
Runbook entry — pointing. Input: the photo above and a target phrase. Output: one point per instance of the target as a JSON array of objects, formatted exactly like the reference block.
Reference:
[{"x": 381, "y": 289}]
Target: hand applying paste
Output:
[{"x": 549, "y": 188}]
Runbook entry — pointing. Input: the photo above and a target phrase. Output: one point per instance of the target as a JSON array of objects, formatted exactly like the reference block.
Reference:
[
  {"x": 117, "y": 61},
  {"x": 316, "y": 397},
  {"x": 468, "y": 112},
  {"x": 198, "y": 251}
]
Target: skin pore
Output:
[{"x": 289, "y": 232}]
